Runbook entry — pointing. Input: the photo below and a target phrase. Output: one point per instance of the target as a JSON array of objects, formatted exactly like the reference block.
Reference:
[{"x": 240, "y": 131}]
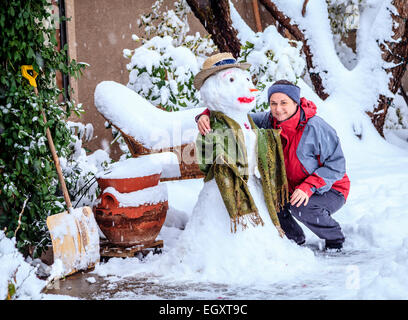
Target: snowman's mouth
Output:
[{"x": 246, "y": 99}]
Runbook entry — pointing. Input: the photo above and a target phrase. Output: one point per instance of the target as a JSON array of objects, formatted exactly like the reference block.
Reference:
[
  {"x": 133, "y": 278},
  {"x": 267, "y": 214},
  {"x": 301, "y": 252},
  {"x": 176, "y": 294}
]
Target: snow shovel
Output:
[{"x": 74, "y": 234}]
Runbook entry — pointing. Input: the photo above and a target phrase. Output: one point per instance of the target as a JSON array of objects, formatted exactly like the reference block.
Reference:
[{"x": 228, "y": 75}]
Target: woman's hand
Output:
[
  {"x": 203, "y": 124},
  {"x": 298, "y": 197}
]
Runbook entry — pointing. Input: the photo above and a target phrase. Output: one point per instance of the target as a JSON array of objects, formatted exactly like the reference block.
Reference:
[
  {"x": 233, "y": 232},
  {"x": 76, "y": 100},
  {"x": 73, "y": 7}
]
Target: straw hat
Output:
[{"x": 216, "y": 63}]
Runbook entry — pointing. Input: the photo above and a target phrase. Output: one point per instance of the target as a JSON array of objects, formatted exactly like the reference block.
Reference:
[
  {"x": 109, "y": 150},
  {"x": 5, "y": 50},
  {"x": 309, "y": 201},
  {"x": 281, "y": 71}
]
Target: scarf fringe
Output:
[
  {"x": 282, "y": 197},
  {"x": 252, "y": 218}
]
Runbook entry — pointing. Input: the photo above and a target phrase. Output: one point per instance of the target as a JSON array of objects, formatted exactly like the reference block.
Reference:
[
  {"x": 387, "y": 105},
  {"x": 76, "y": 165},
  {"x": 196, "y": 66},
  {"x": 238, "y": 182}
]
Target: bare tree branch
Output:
[
  {"x": 304, "y": 7},
  {"x": 215, "y": 16}
]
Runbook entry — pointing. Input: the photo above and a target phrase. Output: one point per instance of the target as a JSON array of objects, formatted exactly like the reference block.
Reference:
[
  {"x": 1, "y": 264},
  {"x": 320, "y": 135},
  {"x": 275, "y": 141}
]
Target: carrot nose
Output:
[{"x": 253, "y": 90}]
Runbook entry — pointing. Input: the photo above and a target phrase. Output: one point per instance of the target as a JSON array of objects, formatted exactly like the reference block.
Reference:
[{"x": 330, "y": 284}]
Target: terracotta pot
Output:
[
  {"x": 128, "y": 226},
  {"x": 129, "y": 184}
]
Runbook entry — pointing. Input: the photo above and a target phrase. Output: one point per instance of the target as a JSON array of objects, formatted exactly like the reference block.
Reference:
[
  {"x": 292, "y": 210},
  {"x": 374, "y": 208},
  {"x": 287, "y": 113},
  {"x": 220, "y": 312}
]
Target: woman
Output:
[{"x": 314, "y": 160}]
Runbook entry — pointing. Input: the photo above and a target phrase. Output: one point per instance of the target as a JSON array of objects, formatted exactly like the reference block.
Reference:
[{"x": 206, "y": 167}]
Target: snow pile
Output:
[
  {"x": 135, "y": 116},
  {"x": 91, "y": 280},
  {"x": 208, "y": 251},
  {"x": 152, "y": 195},
  {"x": 176, "y": 219},
  {"x": 17, "y": 274},
  {"x": 391, "y": 281}
]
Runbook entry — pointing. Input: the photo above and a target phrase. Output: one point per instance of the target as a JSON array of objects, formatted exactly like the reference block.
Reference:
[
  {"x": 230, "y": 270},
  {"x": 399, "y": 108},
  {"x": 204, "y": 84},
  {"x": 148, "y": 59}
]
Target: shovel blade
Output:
[{"x": 75, "y": 239}]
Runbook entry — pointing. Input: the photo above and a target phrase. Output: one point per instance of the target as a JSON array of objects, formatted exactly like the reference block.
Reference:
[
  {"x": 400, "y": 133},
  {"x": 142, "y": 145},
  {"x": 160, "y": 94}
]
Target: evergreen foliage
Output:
[{"x": 29, "y": 189}]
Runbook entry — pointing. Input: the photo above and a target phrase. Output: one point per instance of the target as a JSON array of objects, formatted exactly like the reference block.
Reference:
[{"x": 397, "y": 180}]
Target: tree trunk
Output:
[
  {"x": 289, "y": 30},
  {"x": 404, "y": 94},
  {"x": 214, "y": 15},
  {"x": 396, "y": 53}
]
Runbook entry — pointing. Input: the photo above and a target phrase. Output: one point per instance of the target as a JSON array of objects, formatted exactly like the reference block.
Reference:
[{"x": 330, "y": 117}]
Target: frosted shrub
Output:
[
  {"x": 28, "y": 179},
  {"x": 162, "y": 69},
  {"x": 117, "y": 137},
  {"x": 397, "y": 117},
  {"x": 79, "y": 169},
  {"x": 344, "y": 15},
  {"x": 272, "y": 58}
]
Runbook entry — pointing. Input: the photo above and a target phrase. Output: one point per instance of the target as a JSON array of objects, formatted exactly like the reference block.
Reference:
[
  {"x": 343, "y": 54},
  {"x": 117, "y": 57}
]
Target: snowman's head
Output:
[{"x": 230, "y": 91}]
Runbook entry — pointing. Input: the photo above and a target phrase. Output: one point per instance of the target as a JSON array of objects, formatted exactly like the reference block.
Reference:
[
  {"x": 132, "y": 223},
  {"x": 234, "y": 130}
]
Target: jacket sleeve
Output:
[
  {"x": 326, "y": 163},
  {"x": 262, "y": 119},
  {"x": 206, "y": 112}
]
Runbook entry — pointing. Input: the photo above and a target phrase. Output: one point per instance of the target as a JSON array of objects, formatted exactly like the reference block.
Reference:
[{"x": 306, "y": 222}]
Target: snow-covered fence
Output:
[{"x": 148, "y": 129}]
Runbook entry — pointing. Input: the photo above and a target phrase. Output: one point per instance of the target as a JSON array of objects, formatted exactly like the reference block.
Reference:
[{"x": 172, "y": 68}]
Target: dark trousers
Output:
[{"x": 316, "y": 216}]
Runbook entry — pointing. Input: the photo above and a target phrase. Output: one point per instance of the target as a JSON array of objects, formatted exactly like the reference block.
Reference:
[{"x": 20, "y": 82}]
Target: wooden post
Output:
[{"x": 257, "y": 16}]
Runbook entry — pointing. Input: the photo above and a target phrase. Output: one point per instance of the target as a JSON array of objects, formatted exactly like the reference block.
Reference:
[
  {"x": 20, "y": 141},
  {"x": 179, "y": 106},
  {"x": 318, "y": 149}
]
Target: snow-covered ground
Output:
[{"x": 373, "y": 264}]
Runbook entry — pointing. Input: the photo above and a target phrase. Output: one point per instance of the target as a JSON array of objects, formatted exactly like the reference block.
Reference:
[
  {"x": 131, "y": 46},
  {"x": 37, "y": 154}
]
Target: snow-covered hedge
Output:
[{"x": 162, "y": 69}]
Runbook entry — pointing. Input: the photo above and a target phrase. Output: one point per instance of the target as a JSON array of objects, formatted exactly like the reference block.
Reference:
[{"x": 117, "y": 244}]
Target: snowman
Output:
[
  {"x": 227, "y": 90},
  {"x": 211, "y": 246}
]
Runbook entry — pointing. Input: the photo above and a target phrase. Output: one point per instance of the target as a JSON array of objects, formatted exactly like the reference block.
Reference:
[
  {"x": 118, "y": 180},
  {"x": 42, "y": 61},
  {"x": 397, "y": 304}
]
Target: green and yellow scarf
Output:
[{"x": 222, "y": 156}]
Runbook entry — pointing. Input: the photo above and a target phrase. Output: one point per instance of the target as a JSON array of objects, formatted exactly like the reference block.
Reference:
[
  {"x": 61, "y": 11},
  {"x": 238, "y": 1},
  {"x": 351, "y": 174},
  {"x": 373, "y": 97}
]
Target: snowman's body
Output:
[
  {"x": 231, "y": 91},
  {"x": 207, "y": 244}
]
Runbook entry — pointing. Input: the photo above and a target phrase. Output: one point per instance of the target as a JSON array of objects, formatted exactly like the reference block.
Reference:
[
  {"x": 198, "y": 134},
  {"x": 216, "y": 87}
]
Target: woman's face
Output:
[{"x": 282, "y": 107}]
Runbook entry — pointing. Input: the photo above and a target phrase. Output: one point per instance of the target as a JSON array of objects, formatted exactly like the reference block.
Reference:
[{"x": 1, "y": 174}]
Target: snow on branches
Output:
[
  {"x": 335, "y": 71},
  {"x": 162, "y": 69}
]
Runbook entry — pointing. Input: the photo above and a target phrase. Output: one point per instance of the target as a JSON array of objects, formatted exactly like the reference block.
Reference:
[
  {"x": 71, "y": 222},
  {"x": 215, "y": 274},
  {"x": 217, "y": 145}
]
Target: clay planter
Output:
[
  {"x": 129, "y": 226},
  {"x": 129, "y": 184}
]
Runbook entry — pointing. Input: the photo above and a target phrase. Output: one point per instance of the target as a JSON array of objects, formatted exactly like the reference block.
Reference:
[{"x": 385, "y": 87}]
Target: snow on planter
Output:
[
  {"x": 152, "y": 195},
  {"x": 131, "y": 168},
  {"x": 135, "y": 116},
  {"x": 133, "y": 205},
  {"x": 165, "y": 163}
]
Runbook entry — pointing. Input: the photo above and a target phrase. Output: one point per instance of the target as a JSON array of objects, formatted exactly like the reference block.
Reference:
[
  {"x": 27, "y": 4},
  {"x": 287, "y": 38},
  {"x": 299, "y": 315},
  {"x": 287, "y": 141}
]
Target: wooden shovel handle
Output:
[{"x": 56, "y": 160}]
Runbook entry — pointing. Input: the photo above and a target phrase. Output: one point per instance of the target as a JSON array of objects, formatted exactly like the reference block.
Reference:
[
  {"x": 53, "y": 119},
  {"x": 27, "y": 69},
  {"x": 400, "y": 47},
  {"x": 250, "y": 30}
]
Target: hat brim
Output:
[{"x": 204, "y": 74}]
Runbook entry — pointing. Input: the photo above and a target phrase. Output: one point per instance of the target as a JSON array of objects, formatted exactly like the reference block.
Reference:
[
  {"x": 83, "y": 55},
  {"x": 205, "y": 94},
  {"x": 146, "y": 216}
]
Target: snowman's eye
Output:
[
  {"x": 248, "y": 79},
  {"x": 232, "y": 79}
]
